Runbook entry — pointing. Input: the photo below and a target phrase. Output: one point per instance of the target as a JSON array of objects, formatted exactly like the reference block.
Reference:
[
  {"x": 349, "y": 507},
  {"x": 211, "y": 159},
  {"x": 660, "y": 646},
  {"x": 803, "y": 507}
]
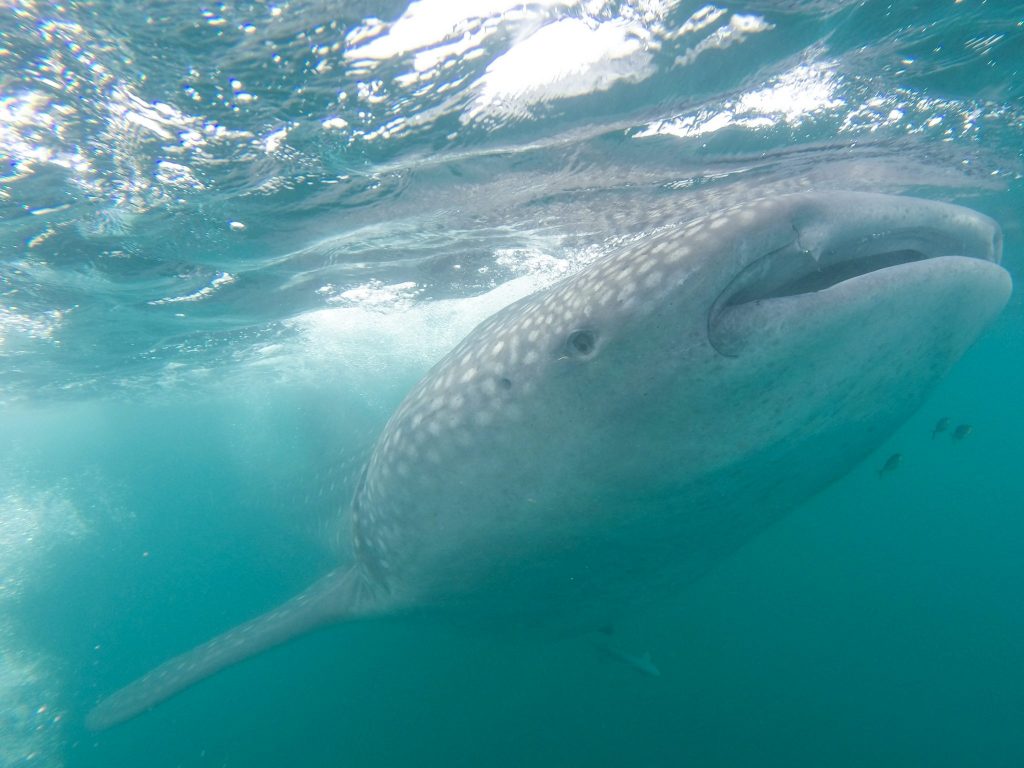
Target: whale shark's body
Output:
[{"x": 632, "y": 425}]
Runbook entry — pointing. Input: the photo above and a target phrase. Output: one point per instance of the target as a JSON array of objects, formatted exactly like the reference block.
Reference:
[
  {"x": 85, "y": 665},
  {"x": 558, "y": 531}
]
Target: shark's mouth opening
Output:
[
  {"x": 818, "y": 278},
  {"x": 793, "y": 270}
]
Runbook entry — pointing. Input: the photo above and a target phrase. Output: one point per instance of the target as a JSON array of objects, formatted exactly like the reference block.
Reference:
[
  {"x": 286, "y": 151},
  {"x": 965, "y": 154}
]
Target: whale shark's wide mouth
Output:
[
  {"x": 825, "y": 259},
  {"x": 791, "y": 271},
  {"x": 768, "y": 283}
]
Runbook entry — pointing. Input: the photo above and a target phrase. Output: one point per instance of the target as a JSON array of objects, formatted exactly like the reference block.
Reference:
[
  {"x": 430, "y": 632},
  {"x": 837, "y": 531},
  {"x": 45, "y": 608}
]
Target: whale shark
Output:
[{"x": 624, "y": 430}]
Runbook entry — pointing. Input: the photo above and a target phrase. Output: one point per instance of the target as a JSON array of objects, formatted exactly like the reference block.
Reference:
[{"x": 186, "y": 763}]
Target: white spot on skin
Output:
[{"x": 679, "y": 253}]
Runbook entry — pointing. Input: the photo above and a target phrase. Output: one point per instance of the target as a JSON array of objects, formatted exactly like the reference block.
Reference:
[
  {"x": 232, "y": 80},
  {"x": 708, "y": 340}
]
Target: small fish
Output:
[
  {"x": 640, "y": 663},
  {"x": 940, "y": 426},
  {"x": 891, "y": 463},
  {"x": 962, "y": 431}
]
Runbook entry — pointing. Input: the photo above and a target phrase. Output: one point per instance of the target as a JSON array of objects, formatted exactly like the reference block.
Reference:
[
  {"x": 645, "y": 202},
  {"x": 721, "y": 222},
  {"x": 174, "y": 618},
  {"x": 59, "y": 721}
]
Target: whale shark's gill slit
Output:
[{"x": 825, "y": 277}]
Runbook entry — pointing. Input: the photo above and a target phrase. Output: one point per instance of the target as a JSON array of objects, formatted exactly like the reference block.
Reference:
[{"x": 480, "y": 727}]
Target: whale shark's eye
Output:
[{"x": 582, "y": 343}]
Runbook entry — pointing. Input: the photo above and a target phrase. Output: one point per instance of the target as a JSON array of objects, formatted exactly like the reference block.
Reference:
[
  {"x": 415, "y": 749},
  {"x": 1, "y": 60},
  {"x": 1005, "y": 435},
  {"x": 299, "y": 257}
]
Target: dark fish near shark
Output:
[
  {"x": 631, "y": 426},
  {"x": 962, "y": 431},
  {"x": 891, "y": 464},
  {"x": 642, "y": 662}
]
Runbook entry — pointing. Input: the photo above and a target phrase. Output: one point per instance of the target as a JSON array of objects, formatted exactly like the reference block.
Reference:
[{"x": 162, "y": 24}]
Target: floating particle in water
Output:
[
  {"x": 962, "y": 431},
  {"x": 940, "y": 426},
  {"x": 891, "y": 463}
]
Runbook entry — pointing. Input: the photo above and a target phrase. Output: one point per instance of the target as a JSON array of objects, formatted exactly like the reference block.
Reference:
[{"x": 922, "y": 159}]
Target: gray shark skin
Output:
[{"x": 626, "y": 429}]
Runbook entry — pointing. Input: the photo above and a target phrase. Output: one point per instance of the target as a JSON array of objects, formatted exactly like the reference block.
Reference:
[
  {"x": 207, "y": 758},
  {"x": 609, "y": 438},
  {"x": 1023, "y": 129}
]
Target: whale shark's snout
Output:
[{"x": 845, "y": 246}]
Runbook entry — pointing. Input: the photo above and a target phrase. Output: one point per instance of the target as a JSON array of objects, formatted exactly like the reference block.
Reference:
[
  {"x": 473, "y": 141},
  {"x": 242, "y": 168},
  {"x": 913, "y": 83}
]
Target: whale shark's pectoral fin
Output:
[{"x": 341, "y": 595}]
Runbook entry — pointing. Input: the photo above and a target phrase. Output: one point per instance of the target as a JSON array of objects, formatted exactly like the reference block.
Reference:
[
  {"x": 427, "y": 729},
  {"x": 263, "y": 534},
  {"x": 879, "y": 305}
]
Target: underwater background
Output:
[{"x": 233, "y": 235}]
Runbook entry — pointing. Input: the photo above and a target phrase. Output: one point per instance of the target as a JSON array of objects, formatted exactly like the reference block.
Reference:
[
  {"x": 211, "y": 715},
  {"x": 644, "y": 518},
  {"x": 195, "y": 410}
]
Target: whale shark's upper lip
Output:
[{"x": 821, "y": 255}]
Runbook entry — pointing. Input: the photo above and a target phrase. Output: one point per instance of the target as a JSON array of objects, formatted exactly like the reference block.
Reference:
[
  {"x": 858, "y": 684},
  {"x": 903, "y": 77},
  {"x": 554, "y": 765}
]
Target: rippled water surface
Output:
[{"x": 233, "y": 235}]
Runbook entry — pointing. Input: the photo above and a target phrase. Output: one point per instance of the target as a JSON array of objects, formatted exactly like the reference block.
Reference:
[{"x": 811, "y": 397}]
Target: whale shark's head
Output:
[
  {"x": 740, "y": 361},
  {"x": 796, "y": 329},
  {"x": 802, "y": 320}
]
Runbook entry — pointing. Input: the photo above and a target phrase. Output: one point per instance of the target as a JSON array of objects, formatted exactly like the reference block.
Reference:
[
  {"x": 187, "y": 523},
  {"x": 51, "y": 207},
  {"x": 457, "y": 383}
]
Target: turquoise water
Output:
[{"x": 232, "y": 236}]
